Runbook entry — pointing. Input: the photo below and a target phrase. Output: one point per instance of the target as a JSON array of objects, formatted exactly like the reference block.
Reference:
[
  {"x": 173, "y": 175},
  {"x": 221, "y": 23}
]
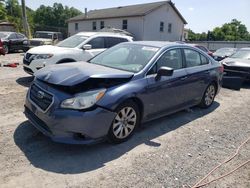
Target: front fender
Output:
[{"x": 118, "y": 94}]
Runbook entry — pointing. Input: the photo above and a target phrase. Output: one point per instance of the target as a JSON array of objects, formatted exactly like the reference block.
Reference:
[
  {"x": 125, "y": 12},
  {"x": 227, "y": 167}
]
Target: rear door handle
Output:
[{"x": 184, "y": 78}]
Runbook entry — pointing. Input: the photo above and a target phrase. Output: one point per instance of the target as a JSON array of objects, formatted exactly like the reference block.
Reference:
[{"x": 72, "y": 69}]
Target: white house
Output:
[{"x": 159, "y": 21}]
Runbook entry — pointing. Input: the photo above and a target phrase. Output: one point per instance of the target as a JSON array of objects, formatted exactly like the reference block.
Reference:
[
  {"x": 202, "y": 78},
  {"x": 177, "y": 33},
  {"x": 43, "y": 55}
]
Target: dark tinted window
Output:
[
  {"x": 97, "y": 43},
  {"x": 60, "y": 37},
  {"x": 111, "y": 41},
  {"x": 12, "y": 36},
  {"x": 20, "y": 36},
  {"x": 192, "y": 58}
]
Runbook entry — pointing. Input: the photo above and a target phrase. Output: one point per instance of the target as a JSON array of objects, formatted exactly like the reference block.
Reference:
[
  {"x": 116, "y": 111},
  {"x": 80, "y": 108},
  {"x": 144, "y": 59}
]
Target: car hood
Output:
[
  {"x": 235, "y": 62},
  {"x": 48, "y": 49},
  {"x": 76, "y": 73},
  {"x": 41, "y": 39}
]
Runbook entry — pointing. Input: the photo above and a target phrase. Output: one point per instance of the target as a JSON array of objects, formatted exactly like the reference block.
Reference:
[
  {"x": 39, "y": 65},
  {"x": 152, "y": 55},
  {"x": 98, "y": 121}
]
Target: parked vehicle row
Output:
[
  {"x": 45, "y": 38},
  {"x": 13, "y": 41},
  {"x": 111, "y": 94},
  {"x": 79, "y": 47},
  {"x": 238, "y": 65},
  {"x": 223, "y": 53}
]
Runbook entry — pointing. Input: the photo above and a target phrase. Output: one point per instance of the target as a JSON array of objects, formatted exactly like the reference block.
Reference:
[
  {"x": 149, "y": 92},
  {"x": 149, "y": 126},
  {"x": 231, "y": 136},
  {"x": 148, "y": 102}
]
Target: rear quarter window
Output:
[{"x": 112, "y": 41}]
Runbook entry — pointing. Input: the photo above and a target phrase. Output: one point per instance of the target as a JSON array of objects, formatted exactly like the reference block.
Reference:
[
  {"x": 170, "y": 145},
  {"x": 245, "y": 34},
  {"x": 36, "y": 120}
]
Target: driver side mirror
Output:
[
  {"x": 164, "y": 71},
  {"x": 87, "y": 47}
]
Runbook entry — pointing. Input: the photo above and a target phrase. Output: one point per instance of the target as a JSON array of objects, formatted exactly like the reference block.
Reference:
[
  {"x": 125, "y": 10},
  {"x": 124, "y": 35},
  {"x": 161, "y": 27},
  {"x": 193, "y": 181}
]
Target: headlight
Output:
[
  {"x": 42, "y": 56},
  {"x": 83, "y": 100}
]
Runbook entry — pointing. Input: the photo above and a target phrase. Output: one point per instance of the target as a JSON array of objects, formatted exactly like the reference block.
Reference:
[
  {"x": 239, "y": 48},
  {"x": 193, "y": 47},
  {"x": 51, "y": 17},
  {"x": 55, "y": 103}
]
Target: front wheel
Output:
[
  {"x": 6, "y": 49},
  {"x": 124, "y": 123},
  {"x": 208, "y": 97}
]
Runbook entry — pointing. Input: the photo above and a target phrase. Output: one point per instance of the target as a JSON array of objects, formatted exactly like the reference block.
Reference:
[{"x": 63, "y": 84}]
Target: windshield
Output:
[
  {"x": 43, "y": 35},
  {"x": 242, "y": 54},
  {"x": 225, "y": 51},
  {"x": 72, "y": 42},
  {"x": 4, "y": 35},
  {"x": 128, "y": 57}
]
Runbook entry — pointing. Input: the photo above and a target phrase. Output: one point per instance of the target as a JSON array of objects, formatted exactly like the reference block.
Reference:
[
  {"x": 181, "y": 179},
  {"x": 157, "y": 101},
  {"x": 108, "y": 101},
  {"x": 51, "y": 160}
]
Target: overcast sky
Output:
[{"x": 201, "y": 15}]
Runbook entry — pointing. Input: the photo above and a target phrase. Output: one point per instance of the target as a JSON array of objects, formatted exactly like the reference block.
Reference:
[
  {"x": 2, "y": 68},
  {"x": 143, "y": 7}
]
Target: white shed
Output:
[{"x": 159, "y": 21}]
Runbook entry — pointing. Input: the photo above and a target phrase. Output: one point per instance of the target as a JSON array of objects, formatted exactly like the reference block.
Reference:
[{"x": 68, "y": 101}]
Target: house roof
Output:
[{"x": 126, "y": 11}]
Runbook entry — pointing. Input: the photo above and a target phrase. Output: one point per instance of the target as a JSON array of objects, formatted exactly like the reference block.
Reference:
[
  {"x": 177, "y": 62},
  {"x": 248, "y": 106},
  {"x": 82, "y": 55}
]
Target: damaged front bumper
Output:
[
  {"x": 234, "y": 78},
  {"x": 69, "y": 126}
]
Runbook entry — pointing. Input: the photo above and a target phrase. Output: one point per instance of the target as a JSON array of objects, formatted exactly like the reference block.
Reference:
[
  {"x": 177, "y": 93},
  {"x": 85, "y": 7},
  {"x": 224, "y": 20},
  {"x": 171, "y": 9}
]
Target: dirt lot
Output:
[{"x": 170, "y": 152}]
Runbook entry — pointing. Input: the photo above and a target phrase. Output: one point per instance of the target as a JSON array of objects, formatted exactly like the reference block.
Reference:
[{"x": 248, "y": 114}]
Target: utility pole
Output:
[{"x": 25, "y": 21}]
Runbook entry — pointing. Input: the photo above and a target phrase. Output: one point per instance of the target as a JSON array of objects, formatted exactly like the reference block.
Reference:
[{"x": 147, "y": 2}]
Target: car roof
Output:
[
  {"x": 158, "y": 44},
  {"x": 47, "y": 32},
  {"x": 245, "y": 49},
  {"x": 89, "y": 34},
  {"x": 6, "y": 32}
]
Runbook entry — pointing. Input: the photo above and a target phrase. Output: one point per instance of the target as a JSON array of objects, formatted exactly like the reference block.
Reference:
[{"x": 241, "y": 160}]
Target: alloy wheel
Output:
[
  {"x": 209, "y": 95},
  {"x": 124, "y": 122}
]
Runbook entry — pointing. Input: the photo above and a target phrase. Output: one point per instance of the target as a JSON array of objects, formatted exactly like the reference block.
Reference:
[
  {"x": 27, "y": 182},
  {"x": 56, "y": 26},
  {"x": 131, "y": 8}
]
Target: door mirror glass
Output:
[
  {"x": 87, "y": 47},
  {"x": 164, "y": 71}
]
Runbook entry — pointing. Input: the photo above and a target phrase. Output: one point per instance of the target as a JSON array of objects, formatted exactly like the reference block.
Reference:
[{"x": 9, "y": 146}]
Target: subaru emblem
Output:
[{"x": 40, "y": 94}]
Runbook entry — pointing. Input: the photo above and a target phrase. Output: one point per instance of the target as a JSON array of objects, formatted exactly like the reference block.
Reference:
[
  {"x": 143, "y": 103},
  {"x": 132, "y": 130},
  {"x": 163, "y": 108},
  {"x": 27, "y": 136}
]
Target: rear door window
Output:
[
  {"x": 97, "y": 43},
  {"x": 204, "y": 60},
  {"x": 192, "y": 58},
  {"x": 12, "y": 36},
  {"x": 112, "y": 41}
]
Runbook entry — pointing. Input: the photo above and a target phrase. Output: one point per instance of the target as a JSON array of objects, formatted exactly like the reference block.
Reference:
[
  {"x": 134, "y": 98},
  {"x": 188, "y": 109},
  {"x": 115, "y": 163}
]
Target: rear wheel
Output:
[
  {"x": 124, "y": 123},
  {"x": 208, "y": 97}
]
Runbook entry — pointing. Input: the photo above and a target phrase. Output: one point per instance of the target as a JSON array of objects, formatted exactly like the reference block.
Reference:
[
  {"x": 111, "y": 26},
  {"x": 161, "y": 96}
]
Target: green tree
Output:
[
  {"x": 55, "y": 16},
  {"x": 234, "y": 30},
  {"x": 3, "y": 13}
]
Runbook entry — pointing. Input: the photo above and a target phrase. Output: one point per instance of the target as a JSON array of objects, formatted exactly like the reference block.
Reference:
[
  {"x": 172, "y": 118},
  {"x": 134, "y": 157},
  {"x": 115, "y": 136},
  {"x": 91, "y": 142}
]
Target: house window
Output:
[
  {"x": 94, "y": 26},
  {"x": 170, "y": 28},
  {"x": 102, "y": 25},
  {"x": 161, "y": 26},
  {"x": 76, "y": 26},
  {"x": 124, "y": 24}
]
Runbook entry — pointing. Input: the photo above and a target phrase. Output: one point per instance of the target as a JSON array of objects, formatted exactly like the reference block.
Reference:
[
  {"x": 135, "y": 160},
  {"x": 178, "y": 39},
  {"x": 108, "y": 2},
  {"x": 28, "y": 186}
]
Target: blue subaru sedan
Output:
[{"x": 112, "y": 94}]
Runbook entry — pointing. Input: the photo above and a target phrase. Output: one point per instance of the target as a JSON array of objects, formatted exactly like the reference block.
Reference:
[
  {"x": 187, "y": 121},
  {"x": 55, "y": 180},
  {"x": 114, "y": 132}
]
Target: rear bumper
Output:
[{"x": 71, "y": 126}]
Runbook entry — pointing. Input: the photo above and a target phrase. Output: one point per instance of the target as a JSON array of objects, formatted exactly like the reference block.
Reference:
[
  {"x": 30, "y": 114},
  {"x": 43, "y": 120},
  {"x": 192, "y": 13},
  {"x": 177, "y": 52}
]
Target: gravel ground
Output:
[{"x": 170, "y": 152}]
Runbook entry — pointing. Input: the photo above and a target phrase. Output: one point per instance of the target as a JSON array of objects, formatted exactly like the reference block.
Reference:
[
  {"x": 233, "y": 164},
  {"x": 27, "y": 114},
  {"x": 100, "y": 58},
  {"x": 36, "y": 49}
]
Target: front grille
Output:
[
  {"x": 25, "y": 62},
  {"x": 233, "y": 68},
  {"x": 40, "y": 97},
  {"x": 35, "y": 43},
  {"x": 37, "y": 121},
  {"x": 27, "y": 55}
]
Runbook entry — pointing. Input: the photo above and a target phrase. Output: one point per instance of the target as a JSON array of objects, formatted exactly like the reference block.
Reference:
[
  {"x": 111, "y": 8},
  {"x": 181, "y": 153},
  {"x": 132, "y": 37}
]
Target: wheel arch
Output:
[
  {"x": 137, "y": 101},
  {"x": 66, "y": 60}
]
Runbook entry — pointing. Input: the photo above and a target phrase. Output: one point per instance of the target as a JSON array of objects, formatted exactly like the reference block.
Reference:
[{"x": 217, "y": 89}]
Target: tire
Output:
[
  {"x": 6, "y": 48},
  {"x": 125, "y": 122},
  {"x": 208, "y": 97}
]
